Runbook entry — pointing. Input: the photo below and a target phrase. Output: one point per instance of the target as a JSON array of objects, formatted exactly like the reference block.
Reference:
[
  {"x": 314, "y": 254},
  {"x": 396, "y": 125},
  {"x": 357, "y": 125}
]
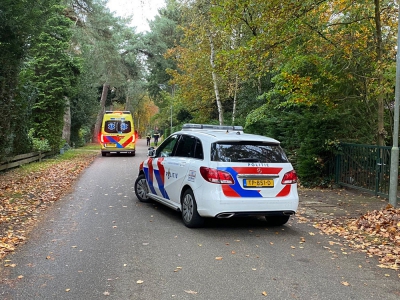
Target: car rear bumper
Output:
[
  {"x": 128, "y": 148},
  {"x": 211, "y": 203},
  {"x": 264, "y": 209},
  {"x": 226, "y": 215}
]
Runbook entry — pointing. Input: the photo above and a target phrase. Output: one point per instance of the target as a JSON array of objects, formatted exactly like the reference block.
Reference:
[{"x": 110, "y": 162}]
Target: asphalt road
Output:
[{"x": 99, "y": 242}]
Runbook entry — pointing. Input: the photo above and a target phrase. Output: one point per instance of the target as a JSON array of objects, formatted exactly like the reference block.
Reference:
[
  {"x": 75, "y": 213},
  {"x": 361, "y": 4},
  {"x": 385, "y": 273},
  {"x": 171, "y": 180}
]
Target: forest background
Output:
[{"x": 311, "y": 74}]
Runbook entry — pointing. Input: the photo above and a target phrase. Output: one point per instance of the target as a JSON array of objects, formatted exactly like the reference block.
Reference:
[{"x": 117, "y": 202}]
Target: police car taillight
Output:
[
  {"x": 289, "y": 177},
  {"x": 216, "y": 176}
]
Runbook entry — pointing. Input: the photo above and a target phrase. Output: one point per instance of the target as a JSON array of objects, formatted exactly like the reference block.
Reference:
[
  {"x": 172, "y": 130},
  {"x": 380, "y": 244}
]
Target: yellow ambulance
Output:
[{"x": 117, "y": 133}]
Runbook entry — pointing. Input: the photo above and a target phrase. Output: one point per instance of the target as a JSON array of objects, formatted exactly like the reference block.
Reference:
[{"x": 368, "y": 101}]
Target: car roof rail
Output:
[{"x": 191, "y": 126}]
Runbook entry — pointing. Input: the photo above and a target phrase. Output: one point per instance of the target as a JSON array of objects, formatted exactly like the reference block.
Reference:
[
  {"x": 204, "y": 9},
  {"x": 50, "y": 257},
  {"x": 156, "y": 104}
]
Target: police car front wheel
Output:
[{"x": 141, "y": 188}]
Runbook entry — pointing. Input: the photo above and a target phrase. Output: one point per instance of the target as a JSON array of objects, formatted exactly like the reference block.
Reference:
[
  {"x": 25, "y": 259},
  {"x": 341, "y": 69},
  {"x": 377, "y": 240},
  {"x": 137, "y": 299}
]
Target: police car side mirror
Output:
[{"x": 151, "y": 151}]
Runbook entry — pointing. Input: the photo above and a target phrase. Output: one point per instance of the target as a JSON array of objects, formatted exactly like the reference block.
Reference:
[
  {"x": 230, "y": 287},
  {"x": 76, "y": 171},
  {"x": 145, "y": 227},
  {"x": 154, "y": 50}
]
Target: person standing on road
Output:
[
  {"x": 148, "y": 137},
  {"x": 156, "y": 135}
]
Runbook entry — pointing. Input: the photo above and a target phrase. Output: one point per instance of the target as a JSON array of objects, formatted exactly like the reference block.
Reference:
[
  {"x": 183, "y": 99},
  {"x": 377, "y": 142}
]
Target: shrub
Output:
[{"x": 39, "y": 144}]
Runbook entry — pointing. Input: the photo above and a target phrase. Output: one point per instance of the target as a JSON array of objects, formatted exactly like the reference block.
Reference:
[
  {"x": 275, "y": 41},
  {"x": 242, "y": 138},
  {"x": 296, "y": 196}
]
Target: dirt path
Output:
[{"x": 316, "y": 204}]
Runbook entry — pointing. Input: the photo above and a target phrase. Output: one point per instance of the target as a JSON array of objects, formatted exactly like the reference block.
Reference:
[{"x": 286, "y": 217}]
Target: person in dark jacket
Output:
[
  {"x": 148, "y": 137},
  {"x": 156, "y": 135}
]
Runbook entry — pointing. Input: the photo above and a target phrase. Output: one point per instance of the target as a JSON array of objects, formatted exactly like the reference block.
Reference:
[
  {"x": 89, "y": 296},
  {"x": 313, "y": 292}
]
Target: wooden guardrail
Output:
[{"x": 24, "y": 159}]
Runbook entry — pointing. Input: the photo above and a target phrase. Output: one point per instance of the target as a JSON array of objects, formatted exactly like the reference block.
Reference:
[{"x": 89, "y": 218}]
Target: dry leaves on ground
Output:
[
  {"x": 377, "y": 233},
  {"x": 24, "y": 194}
]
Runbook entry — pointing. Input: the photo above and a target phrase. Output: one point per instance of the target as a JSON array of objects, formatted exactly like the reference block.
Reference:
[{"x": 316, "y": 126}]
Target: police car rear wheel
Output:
[
  {"x": 141, "y": 189},
  {"x": 190, "y": 216}
]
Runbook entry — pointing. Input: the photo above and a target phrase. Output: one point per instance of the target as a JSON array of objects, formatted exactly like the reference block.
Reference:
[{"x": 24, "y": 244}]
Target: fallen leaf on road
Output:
[
  {"x": 139, "y": 281},
  {"x": 345, "y": 283},
  {"x": 393, "y": 267},
  {"x": 10, "y": 265},
  {"x": 191, "y": 292},
  {"x": 218, "y": 258},
  {"x": 264, "y": 293}
]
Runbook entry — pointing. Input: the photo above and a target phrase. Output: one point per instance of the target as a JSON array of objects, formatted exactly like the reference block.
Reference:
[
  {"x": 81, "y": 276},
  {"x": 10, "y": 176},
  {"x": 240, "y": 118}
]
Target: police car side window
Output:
[
  {"x": 186, "y": 146},
  {"x": 167, "y": 147},
  {"x": 198, "y": 152}
]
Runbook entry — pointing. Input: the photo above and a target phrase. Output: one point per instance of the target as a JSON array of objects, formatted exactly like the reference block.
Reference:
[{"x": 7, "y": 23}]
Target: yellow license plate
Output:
[
  {"x": 110, "y": 145},
  {"x": 258, "y": 182}
]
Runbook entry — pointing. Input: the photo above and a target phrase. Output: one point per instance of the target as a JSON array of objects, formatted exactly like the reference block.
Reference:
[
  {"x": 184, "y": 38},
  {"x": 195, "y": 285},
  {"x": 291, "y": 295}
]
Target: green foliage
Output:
[
  {"x": 183, "y": 116},
  {"x": 83, "y": 137},
  {"x": 165, "y": 34},
  {"x": 55, "y": 72},
  {"x": 304, "y": 132},
  {"x": 20, "y": 22},
  {"x": 38, "y": 144},
  {"x": 84, "y": 107}
]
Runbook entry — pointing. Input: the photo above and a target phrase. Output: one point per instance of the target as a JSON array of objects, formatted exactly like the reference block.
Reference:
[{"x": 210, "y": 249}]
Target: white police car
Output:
[{"x": 219, "y": 171}]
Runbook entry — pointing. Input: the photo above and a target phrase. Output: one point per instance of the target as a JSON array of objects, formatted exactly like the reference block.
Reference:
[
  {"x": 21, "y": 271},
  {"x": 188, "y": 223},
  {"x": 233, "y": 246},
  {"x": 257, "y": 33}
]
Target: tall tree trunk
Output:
[
  {"x": 97, "y": 126},
  {"x": 236, "y": 37},
  {"x": 381, "y": 125},
  {"x": 127, "y": 105},
  {"x": 215, "y": 81},
  {"x": 235, "y": 99},
  {"x": 66, "y": 133}
]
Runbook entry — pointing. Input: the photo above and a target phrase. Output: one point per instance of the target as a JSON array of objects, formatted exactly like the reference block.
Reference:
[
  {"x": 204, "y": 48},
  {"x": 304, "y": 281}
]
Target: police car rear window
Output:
[
  {"x": 248, "y": 151},
  {"x": 117, "y": 126}
]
